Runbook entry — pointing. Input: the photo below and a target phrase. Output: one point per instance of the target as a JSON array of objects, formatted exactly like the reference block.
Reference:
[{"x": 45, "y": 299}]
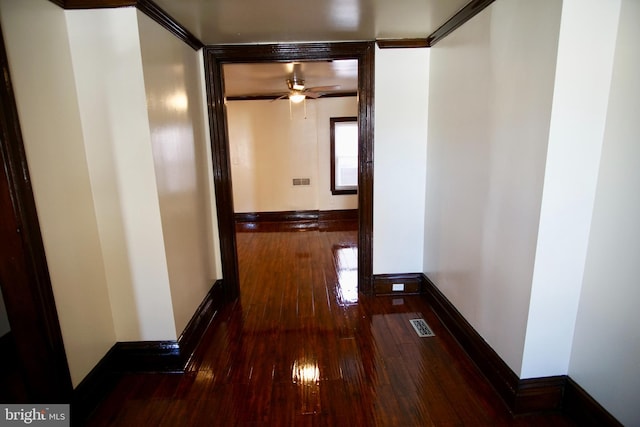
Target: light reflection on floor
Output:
[
  {"x": 346, "y": 259},
  {"x": 305, "y": 373}
]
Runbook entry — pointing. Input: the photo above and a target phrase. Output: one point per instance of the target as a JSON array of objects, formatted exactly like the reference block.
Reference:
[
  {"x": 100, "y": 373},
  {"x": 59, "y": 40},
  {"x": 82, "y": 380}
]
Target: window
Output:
[{"x": 344, "y": 155}]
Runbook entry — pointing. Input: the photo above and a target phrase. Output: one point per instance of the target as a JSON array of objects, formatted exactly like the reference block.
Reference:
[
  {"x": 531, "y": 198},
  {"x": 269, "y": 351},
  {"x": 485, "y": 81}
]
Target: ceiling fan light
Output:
[{"x": 296, "y": 98}]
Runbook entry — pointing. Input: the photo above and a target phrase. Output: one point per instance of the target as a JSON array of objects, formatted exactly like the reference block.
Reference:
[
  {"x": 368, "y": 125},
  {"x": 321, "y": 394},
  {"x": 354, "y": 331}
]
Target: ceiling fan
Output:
[{"x": 298, "y": 92}]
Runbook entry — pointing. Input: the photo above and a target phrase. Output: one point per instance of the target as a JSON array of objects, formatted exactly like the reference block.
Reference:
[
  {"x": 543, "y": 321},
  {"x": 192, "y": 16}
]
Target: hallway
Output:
[{"x": 302, "y": 348}]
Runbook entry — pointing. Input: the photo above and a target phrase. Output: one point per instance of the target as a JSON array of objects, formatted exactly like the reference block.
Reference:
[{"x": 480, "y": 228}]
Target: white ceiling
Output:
[
  {"x": 280, "y": 21},
  {"x": 274, "y": 21}
]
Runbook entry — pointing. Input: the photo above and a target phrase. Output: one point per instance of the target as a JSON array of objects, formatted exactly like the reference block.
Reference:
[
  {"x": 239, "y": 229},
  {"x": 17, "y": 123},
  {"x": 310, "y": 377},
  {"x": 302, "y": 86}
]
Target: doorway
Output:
[{"x": 215, "y": 58}]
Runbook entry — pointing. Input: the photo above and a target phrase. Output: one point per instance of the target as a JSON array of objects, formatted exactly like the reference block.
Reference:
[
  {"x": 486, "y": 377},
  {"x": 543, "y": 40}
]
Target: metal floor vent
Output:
[{"x": 421, "y": 328}]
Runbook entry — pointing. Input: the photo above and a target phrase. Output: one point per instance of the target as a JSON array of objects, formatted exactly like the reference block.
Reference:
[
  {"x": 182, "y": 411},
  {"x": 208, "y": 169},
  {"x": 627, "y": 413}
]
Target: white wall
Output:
[
  {"x": 491, "y": 88},
  {"x": 40, "y": 62},
  {"x": 269, "y": 147},
  {"x": 605, "y": 358},
  {"x": 400, "y": 153},
  {"x": 105, "y": 48},
  {"x": 583, "y": 78},
  {"x": 174, "y": 102},
  {"x": 121, "y": 176},
  {"x": 4, "y": 320}
]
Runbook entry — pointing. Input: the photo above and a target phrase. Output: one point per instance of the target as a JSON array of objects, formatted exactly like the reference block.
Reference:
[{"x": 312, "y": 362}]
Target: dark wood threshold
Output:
[
  {"x": 296, "y": 220},
  {"x": 383, "y": 284},
  {"x": 145, "y": 356},
  {"x": 522, "y": 396}
]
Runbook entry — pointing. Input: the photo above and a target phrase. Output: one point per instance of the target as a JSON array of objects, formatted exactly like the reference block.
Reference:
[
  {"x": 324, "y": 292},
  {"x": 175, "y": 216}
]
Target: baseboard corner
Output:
[
  {"x": 522, "y": 396},
  {"x": 536, "y": 395},
  {"x": 584, "y": 409},
  {"x": 171, "y": 356},
  {"x": 204, "y": 314}
]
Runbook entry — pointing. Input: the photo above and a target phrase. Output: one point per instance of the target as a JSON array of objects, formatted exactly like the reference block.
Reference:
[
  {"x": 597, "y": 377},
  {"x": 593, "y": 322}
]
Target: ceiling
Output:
[
  {"x": 270, "y": 79},
  {"x": 276, "y": 21},
  {"x": 279, "y": 21}
]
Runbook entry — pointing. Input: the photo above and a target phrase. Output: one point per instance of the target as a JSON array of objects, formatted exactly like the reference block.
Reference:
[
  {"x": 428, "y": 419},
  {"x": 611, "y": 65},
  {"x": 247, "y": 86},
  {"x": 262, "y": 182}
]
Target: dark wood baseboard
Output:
[
  {"x": 279, "y": 216},
  {"x": 94, "y": 388},
  {"x": 145, "y": 356},
  {"x": 383, "y": 283},
  {"x": 204, "y": 315},
  {"x": 123, "y": 357},
  {"x": 522, "y": 396},
  {"x": 338, "y": 219},
  {"x": 584, "y": 409},
  {"x": 538, "y": 394},
  {"x": 295, "y": 220}
]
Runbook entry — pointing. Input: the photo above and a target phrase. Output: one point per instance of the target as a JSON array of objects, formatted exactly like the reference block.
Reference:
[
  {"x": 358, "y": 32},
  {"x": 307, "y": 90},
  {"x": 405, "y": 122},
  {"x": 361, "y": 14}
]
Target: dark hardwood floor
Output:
[{"x": 302, "y": 348}]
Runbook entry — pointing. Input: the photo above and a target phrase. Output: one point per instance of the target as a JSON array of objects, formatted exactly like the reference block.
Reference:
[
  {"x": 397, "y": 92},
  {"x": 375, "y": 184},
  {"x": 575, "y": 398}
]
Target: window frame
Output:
[{"x": 332, "y": 125}]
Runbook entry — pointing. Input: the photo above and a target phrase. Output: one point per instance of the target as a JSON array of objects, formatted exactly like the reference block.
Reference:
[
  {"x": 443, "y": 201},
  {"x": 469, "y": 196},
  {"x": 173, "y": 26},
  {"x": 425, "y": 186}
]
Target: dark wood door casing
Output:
[
  {"x": 215, "y": 58},
  {"x": 24, "y": 275}
]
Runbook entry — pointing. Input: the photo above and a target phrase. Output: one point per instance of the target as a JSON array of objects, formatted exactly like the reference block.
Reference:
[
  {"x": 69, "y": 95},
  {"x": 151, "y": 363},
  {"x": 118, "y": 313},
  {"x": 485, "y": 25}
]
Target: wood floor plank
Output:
[{"x": 302, "y": 348}]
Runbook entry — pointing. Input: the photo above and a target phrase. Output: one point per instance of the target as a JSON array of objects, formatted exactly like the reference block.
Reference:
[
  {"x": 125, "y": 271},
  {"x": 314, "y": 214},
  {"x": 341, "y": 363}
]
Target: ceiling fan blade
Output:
[
  {"x": 310, "y": 94},
  {"x": 322, "y": 88},
  {"x": 280, "y": 97}
]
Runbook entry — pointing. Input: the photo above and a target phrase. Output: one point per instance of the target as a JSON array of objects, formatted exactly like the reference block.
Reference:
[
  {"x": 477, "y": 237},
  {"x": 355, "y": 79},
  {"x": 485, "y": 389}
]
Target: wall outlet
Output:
[
  {"x": 301, "y": 181},
  {"x": 397, "y": 287}
]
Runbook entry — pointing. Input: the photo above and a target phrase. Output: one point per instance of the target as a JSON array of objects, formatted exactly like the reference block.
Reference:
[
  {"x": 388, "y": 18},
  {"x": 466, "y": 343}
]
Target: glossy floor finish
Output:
[{"x": 302, "y": 348}]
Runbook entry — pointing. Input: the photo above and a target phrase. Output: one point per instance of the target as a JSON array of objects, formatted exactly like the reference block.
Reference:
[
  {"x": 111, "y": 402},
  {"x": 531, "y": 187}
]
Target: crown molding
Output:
[
  {"x": 463, "y": 15},
  {"x": 148, "y": 7},
  {"x": 402, "y": 43}
]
